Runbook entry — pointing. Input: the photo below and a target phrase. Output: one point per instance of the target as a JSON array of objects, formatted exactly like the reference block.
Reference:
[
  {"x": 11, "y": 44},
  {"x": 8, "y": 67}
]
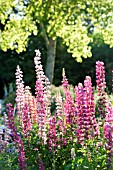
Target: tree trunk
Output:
[{"x": 50, "y": 63}]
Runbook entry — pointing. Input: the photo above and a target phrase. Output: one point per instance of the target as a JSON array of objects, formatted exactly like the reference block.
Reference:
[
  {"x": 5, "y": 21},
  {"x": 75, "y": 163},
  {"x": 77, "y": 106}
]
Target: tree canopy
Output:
[{"x": 74, "y": 21}]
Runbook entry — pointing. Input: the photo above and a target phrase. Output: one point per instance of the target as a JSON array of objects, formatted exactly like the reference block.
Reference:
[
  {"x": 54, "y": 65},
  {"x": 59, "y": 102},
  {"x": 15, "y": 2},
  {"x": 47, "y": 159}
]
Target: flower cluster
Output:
[
  {"x": 52, "y": 134},
  {"x": 47, "y": 138},
  {"x": 27, "y": 125},
  {"x": 108, "y": 132},
  {"x": 17, "y": 139},
  {"x": 61, "y": 119},
  {"x": 101, "y": 85},
  {"x": 40, "y": 97},
  {"x": 85, "y": 107},
  {"x": 69, "y": 107},
  {"x": 19, "y": 92},
  {"x": 79, "y": 91},
  {"x": 89, "y": 110},
  {"x": 32, "y": 106}
]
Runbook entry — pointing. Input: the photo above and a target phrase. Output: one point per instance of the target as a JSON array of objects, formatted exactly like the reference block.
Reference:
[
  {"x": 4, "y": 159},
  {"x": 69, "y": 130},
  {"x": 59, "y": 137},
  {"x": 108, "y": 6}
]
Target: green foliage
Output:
[
  {"x": 15, "y": 35},
  {"x": 10, "y": 98},
  {"x": 73, "y": 21},
  {"x": 77, "y": 40},
  {"x": 5, "y": 9},
  {"x": 8, "y": 159},
  {"x": 92, "y": 156}
]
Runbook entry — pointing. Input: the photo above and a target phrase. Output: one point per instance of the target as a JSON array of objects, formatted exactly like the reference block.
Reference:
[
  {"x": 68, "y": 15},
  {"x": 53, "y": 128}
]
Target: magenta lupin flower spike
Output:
[
  {"x": 41, "y": 111},
  {"x": 69, "y": 108},
  {"x": 101, "y": 85},
  {"x": 87, "y": 125},
  {"x": 27, "y": 125},
  {"x": 21, "y": 156},
  {"x": 100, "y": 76},
  {"x": 16, "y": 138},
  {"x": 91, "y": 126},
  {"x": 52, "y": 133},
  {"x": 80, "y": 131},
  {"x": 108, "y": 132},
  {"x": 86, "y": 110}
]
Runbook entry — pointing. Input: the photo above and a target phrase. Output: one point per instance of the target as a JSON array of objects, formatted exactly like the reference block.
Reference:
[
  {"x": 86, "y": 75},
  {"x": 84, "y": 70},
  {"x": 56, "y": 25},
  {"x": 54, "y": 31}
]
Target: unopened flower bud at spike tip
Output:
[{"x": 38, "y": 53}]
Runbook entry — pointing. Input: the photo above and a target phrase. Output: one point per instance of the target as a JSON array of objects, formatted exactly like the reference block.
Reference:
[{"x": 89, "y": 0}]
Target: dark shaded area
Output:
[
  {"x": 75, "y": 72},
  {"x": 10, "y": 59}
]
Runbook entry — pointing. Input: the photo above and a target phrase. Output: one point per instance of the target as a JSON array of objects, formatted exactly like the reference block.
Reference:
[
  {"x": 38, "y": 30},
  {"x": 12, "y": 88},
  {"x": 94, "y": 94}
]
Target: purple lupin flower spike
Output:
[
  {"x": 101, "y": 85},
  {"x": 40, "y": 163},
  {"x": 11, "y": 122},
  {"x": 17, "y": 139}
]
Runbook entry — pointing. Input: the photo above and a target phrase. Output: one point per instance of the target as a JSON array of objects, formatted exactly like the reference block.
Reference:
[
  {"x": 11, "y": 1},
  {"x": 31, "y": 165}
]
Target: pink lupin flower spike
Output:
[
  {"x": 69, "y": 108},
  {"x": 41, "y": 110},
  {"x": 101, "y": 85},
  {"x": 19, "y": 93}
]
